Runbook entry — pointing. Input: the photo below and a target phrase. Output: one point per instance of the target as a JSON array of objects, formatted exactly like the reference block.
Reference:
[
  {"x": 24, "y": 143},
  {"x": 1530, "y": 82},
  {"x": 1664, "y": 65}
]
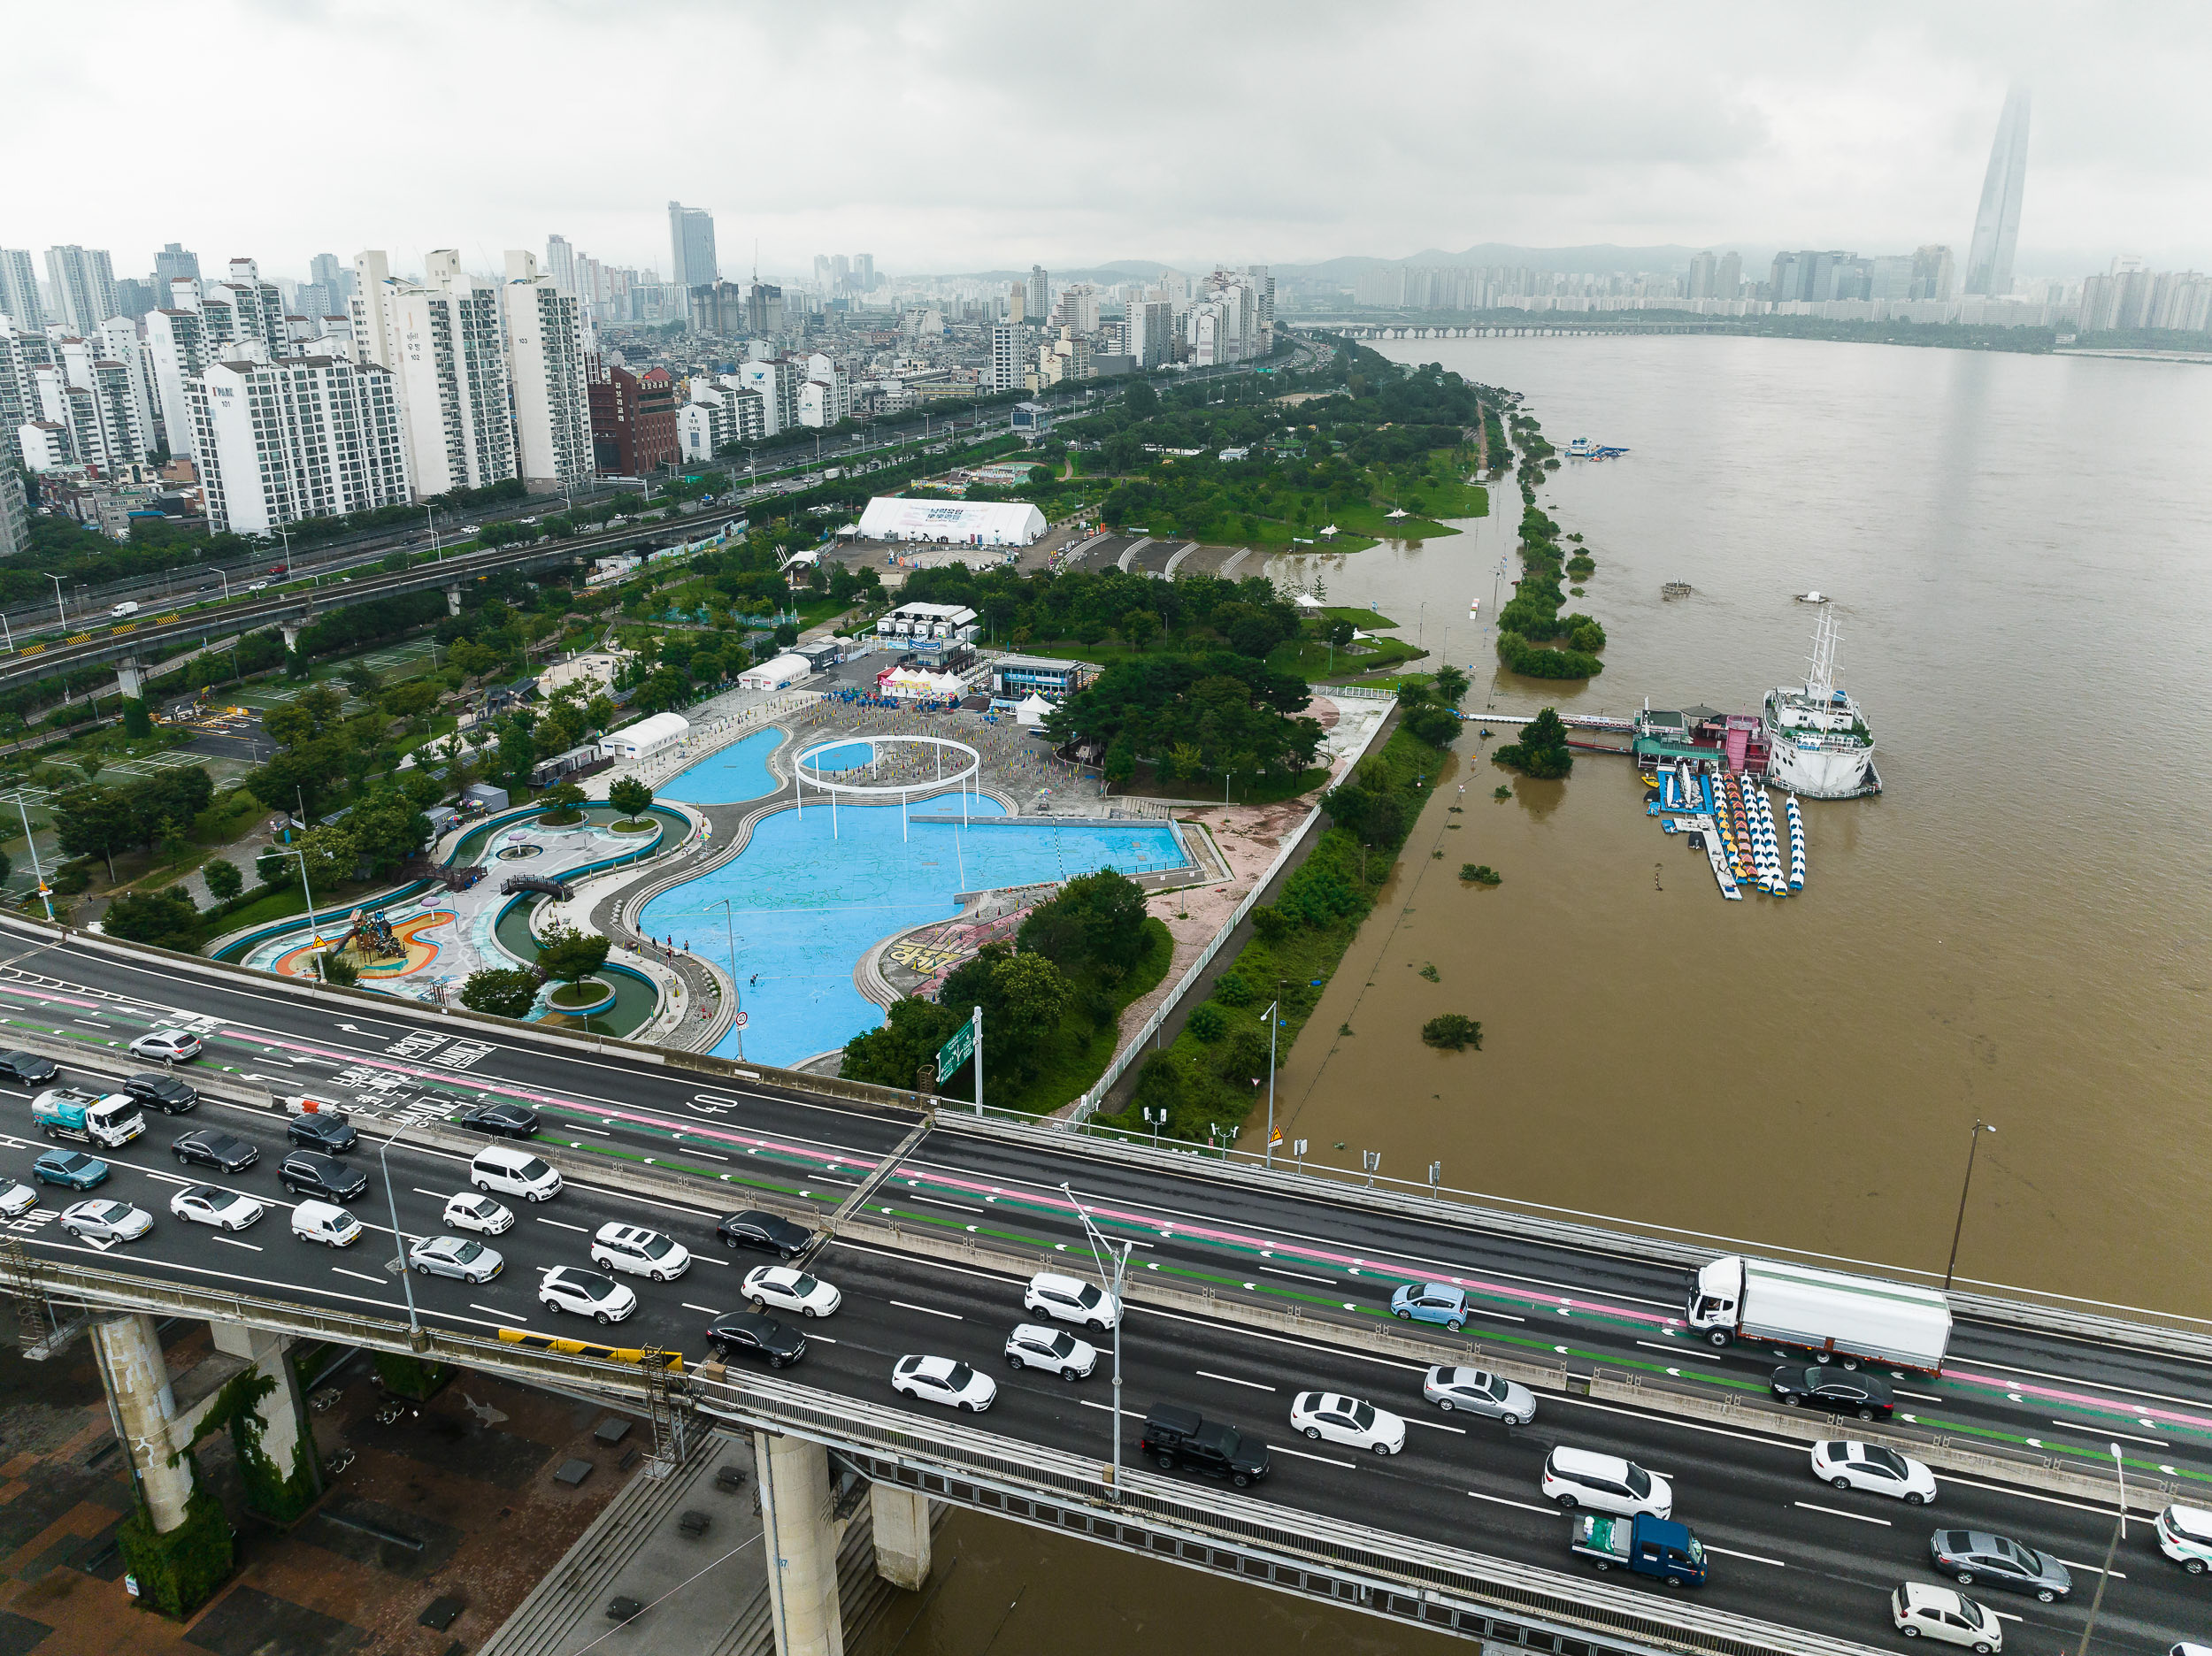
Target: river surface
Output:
[{"x": 2020, "y": 554}]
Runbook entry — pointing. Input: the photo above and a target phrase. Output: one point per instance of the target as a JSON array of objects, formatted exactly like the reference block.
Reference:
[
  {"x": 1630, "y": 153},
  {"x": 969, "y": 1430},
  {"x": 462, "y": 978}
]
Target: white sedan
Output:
[
  {"x": 603, "y": 1299},
  {"x": 205, "y": 1204},
  {"x": 17, "y": 1199},
  {"x": 470, "y": 1211},
  {"x": 1848, "y": 1466},
  {"x": 1034, "y": 1345},
  {"x": 791, "y": 1290},
  {"x": 107, "y": 1220},
  {"x": 455, "y": 1257},
  {"x": 1346, "y": 1420},
  {"x": 943, "y": 1380}
]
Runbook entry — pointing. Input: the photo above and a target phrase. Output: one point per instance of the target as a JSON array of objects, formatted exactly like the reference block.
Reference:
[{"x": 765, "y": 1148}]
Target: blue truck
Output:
[{"x": 1643, "y": 1545}]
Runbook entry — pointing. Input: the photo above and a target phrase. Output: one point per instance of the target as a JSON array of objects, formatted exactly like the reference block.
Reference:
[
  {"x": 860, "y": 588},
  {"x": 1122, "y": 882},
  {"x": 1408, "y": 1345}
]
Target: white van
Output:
[
  {"x": 122, "y": 609},
  {"x": 513, "y": 1171},
  {"x": 326, "y": 1223},
  {"x": 1605, "y": 1483}
]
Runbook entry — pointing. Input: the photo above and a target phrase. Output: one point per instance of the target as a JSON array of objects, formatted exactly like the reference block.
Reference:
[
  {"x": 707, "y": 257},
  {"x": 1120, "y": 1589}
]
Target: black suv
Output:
[
  {"x": 163, "y": 1092},
  {"x": 1175, "y": 1436},
  {"x": 749, "y": 1334},
  {"x": 27, "y": 1068},
  {"x": 754, "y": 1228},
  {"x": 306, "y": 1174},
  {"x": 324, "y": 1130}
]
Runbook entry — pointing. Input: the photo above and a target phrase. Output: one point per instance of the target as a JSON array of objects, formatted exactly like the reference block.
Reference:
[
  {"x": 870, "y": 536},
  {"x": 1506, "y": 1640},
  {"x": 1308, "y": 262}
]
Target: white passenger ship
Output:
[{"x": 1818, "y": 744}]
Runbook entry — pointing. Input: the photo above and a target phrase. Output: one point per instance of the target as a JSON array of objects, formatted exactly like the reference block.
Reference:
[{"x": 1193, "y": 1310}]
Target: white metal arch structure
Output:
[{"x": 968, "y": 762}]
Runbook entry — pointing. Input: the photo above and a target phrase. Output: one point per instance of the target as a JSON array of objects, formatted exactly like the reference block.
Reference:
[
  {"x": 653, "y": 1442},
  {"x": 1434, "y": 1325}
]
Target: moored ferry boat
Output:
[{"x": 1817, "y": 739}]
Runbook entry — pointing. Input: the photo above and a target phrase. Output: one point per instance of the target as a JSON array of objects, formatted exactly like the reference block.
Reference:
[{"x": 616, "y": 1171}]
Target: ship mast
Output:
[{"x": 1820, "y": 677}]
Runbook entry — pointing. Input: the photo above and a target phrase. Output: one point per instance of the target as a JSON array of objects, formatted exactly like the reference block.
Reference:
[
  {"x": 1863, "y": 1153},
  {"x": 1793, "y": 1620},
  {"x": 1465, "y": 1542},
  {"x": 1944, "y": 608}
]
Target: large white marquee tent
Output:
[{"x": 951, "y": 523}]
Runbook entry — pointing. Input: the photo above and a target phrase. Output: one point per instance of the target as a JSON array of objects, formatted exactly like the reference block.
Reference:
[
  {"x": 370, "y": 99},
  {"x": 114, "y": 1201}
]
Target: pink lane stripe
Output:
[
  {"x": 43, "y": 994},
  {"x": 2112, "y": 1405}
]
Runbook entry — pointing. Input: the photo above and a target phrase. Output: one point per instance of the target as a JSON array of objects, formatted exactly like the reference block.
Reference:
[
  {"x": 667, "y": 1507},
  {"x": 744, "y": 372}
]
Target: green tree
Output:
[
  {"x": 224, "y": 880},
  {"x": 1452, "y": 1031},
  {"x": 1542, "y": 751},
  {"x": 1141, "y": 627},
  {"x": 165, "y": 919},
  {"x": 95, "y": 822},
  {"x": 630, "y": 797},
  {"x": 1451, "y": 685},
  {"x": 332, "y": 855},
  {"x": 912, "y": 1033},
  {"x": 500, "y": 992},
  {"x": 387, "y": 829},
  {"x": 569, "y": 955},
  {"x": 1095, "y": 923}
]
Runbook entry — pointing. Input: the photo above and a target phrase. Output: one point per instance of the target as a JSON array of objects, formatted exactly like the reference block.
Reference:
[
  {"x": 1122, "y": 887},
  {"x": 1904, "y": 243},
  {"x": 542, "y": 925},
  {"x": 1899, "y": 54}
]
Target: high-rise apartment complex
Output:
[
  {"x": 552, "y": 388},
  {"x": 1150, "y": 332},
  {"x": 176, "y": 340},
  {"x": 1006, "y": 355},
  {"x": 691, "y": 244},
  {"x": 1038, "y": 299},
  {"x": 84, "y": 287},
  {"x": 174, "y": 260},
  {"x": 560, "y": 263},
  {"x": 15, "y": 518},
  {"x": 300, "y": 437},
  {"x": 18, "y": 289},
  {"x": 442, "y": 341},
  {"x": 1997, "y": 221}
]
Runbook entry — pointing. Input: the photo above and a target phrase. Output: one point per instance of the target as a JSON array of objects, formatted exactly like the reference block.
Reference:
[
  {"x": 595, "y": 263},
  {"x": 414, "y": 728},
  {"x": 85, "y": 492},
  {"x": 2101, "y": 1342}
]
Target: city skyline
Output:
[{"x": 1498, "y": 131}]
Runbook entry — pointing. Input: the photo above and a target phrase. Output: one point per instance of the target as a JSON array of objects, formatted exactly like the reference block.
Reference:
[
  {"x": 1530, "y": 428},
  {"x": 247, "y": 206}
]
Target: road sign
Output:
[
  {"x": 957, "y": 1051},
  {"x": 739, "y": 1019}
]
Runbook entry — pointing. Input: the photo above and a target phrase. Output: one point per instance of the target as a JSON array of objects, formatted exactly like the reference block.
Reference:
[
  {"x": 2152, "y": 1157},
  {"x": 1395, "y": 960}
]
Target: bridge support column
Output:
[
  {"x": 176, "y": 1543},
  {"x": 130, "y": 677},
  {"x": 902, "y": 1533},
  {"x": 802, "y": 1544},
  {"x": 453, "y": 599},
  {"x": 292, "y": 630},
  {"x": 282, "y": 1467}
]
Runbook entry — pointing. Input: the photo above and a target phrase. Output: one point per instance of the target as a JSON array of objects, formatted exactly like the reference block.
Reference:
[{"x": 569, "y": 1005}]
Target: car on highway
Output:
[
  {"x": 603, "y": 1299},
  {"x": 163, "y": 1092},
  {"x": 257, "y": 586},
  {"x": 1479, "y": 1392},
  {"x": 641, "y": 1251},
  {"x": 326, "y": 1223},
  {"x": 208, "y": 1205},
  {"x": 1034, "y": 1345},
  {"x": 464, "y": 1257},
  {"x": 326, "y": 1130},
  {"x": 791, "y": 1290},
  {"x": 307, "y": 1173},
  {"x": 208, "y": 1146},
  {"x": 2185, "y": 1535},
  {"x": 28, "y": 1068},
  {"x": 750, "y": 1334},
  {"x": 1175, "y": 1437},
  {"x": 1072, "y": 1300},
  {"x": 1950, "y": 1618},
  {"x": 106, "y": 1221},
  {"x": 1858, "y": 1466},
  {"x": 499, "y": 1119},
  {"x": 16, "y": 1200},
  {"x": 168, "y": 1046},
  {"x": 754, "y": 1228},
  {"x": 1811, "y": 1385},
  {"x": 466, "y": 1210},
  {"x": 71, "y": 1169},
  {"x": 944, "y": 1380},
  {"x": 1968, "y": 1556},
  {"x": 1347, "y": 1420},
  {"x": 513, "y": 1172},
  {"x": 1603, "y": 1483},
  {"x": 1430, "y": 1302}
]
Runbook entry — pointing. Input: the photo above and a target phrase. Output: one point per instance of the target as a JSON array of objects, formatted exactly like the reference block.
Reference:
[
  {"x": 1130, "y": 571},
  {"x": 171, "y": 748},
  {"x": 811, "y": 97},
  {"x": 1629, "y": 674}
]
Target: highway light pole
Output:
[
  {"x": 60, "y": 606},
  {"x": 398, "y": 1241},
  {"x": 1101, "y": 1250},
  {"x": 1967, "y": 1183},
  {"x": 737, "y": 1006},
  {"x": 2119, "y": 1528},
  {"x": 1273, "y": 1023},
  {"x": 31, "y": 845}
]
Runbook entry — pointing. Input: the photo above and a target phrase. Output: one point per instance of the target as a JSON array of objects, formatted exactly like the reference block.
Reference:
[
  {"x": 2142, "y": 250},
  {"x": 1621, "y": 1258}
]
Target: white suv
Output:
[
  {"x": 513, "y": 1171},
  {"x": 643, "y": 1253},
  {"x": 1071, "y": 1300},
  {"x": 1938, "y": 1613},
  {"x": 1605, "y": 1483},
  {"x": 1033, "y": 1346}
]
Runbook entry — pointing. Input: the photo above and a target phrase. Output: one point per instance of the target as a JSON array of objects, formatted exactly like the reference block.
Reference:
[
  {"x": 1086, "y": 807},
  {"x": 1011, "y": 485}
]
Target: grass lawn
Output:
[
  {"x": 1311, "y": 658},
  {"x": 331, "y": 906},
  {"x": 1078, "y": 1051},
  {"x": 1366, "y": 620},
  {"x": 1149, "y": 784}
]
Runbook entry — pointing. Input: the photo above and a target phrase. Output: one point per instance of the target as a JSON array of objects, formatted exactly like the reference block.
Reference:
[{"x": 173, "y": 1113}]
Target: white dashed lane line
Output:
[
  {"x": 905, "y": 1305},
  {"x": 1209, "y": 1373},
  {"x": 1500, "y": 1500},
  {"x": 1837, "y": 1512}
]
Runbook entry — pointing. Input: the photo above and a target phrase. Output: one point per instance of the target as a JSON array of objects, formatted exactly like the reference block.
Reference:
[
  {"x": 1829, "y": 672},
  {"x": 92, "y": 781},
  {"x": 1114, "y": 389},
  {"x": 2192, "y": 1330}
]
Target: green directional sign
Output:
[{"x": 957, "y": 1051}]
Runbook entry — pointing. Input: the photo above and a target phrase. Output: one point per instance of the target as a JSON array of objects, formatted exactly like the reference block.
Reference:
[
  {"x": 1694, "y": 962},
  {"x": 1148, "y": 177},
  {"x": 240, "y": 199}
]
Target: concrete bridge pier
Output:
[
  {"x": 292, "y": 629},
  {"x": 801, "y": 1539},
  {"x": 142, "y": 1404},
  {"x": 130, "y": 677},
  {"x": 453, "y": 599},
  {"x": 901, "y": 1535}
]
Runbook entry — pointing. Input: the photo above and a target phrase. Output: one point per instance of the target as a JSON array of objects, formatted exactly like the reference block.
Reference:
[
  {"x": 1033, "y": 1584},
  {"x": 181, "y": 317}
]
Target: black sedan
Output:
[
  {"x": 754, "y": 1228},
  {"x": 210, "y": 1148},
  {"x": 165, "y": 1093},
  {"x": 506, "y": 1121},
  {"x": 27, "y": 1068},
  {"x": 306, "y": 1173},
  {"x": 322, "y": 1130},
  {"x": 1837, "y": 1391},
  {"x": 749, "y": 1334},
  {"x": 1972, "y": 1557}
]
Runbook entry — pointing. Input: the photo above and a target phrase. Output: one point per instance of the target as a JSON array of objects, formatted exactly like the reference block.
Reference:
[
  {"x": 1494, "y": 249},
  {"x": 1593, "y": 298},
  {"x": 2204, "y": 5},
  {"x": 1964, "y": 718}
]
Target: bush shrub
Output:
[
  {"x": 1453, "y": 1033},
  {"x": 1208, "y": 1023},
  {"x": 1479, "y": 874}
]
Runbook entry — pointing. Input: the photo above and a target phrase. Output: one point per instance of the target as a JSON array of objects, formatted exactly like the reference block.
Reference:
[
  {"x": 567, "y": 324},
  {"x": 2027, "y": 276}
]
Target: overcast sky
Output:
[{"x": 965, "y": 136}]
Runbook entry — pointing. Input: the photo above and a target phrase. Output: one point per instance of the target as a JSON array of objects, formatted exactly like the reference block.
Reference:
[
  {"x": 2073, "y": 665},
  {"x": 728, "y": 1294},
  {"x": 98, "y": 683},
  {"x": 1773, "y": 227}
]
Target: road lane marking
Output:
[
  {"x": 1232, "y": 1379},
  {"x": 709, "y": 1309},
  {"x": 234, "y": 1242},
  {"x": 1837, "y": 1512},
  {"x": 510, "y": 1316},
  {"x": 562, "y": 1224},
  {"x": 2092, "y": 1429},
  {"x": 2098, "y": 1385},
  {"x": 361, "y": 1275},
  {"x": 1672, "y": 1351},
  {"x": 1301, "y": 1276},
  {"x": 1415, "y": 1420},
  {"x": 907, "y": 1304},
  {"x": 2021, "y": 1494},
  {"x": 580, "y": 1127},
  {"x": 2092, "y": 1568},
  {"x": 1303, "y": 1455},
  {"x": 1754, "y": 1557},
  {"x": 1924, "y": 1397},
  {"x": 933, "y": 1201},
  {"x": 1501, "y": 1500}
]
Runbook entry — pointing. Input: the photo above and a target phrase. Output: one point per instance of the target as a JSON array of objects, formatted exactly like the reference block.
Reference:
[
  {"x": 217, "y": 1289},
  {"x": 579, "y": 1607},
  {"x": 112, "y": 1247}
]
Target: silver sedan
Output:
[
  {"x": 107, "y": 1220},
  {"x": 1479, "y": 1392},
  {"x": 455, "y": 1257}
]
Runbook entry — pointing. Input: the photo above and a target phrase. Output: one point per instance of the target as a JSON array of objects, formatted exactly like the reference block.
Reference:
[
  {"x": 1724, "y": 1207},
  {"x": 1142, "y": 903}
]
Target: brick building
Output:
[{"x": 634, "y": 421}]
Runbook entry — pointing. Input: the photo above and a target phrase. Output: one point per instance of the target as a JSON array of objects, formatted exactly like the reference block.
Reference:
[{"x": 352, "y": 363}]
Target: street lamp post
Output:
[
  {"x": 1966, "y": 1184},
  {"x": 737, "y": 1006},
  {"x": 2119, "y": 1529},
  {"x": 398, "y": 1241},
  {"x": 62, "y": 608},
  {"x": 314, "y": 925},
  {"x": 1273, "y": 1024},
  {"x": 31, "y": 845},
  {"x": 1103, "y": 1250}
]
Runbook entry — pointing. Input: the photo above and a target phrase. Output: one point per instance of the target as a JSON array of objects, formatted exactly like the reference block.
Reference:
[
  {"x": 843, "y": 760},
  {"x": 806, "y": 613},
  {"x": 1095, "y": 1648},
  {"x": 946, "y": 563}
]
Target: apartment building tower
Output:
[
  {"x": 548, "y": 368},
  {"x": 84, "y": 287},
  {"x": 279, "y": 440}
]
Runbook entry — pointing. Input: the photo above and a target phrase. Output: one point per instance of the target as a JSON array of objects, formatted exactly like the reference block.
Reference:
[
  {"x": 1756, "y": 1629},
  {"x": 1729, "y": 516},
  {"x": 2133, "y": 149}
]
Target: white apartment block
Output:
[
  {"x": 450, "y": 366},
  {"x": 300, "y": 437},
  {"x": 176, "y": 342},
  {"x": 45, "y": 445},
  {"x": 717, "y": 416},
  {"x": 776, "y": 383},
  {"x": 552, "y": 388},
  {"x": 1006, "y": 356},
  {"x": 1150, "y": 332},
  {"x": 15, "y": 518},
  {"x": 826, "y": 397},
  {"x": 19, "y": 289},
  {"x": 119, "y": 342},
  {"x": 23, "y": 351},
  {"x": 84, "y": 287},
  {"x": 94, "y": 395}
]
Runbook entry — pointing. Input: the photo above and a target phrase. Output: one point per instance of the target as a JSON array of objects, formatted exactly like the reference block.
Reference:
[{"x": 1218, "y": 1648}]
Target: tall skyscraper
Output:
[
  {"x": 545, "y": 358},
  {"x": 1039, "y": 305},
  {"x": 1997, "y": 222},
  {"x": 174, "y": 260},
  {"x": 560, "y": 263},
  {"x": 864, "y": 272},
  {"x": 1006, "y": 355},
  {"x": 84, "y": 287},
  {"x": 691, "y": 243},
  {"x": 325, "y": 271},
  {"x": 18, "y": 289}
]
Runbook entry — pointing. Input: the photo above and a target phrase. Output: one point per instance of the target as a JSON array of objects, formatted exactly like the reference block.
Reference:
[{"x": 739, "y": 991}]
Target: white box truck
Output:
[{"x": 1832, "y": 1315}]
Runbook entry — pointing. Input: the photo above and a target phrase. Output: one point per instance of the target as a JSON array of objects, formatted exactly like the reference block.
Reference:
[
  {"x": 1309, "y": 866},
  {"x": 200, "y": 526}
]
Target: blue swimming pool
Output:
[
  {"x": 738, "y": 773},
  {"x": 806, "y": 907}
]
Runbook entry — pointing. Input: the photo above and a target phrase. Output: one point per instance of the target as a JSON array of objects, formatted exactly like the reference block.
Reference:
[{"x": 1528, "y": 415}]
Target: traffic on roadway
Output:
[{"x": 1827, "y": 1536}]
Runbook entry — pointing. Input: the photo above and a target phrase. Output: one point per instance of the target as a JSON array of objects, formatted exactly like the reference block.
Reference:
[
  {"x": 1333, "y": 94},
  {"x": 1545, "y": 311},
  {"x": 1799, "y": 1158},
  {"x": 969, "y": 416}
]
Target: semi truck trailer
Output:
[{"x": 1834, "y": 1316}]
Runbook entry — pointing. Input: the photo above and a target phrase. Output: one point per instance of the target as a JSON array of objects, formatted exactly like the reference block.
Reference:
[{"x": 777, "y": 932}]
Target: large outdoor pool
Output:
[
  {"x": 804, "y": 906},
  {"x": 738, "y": 773}
]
